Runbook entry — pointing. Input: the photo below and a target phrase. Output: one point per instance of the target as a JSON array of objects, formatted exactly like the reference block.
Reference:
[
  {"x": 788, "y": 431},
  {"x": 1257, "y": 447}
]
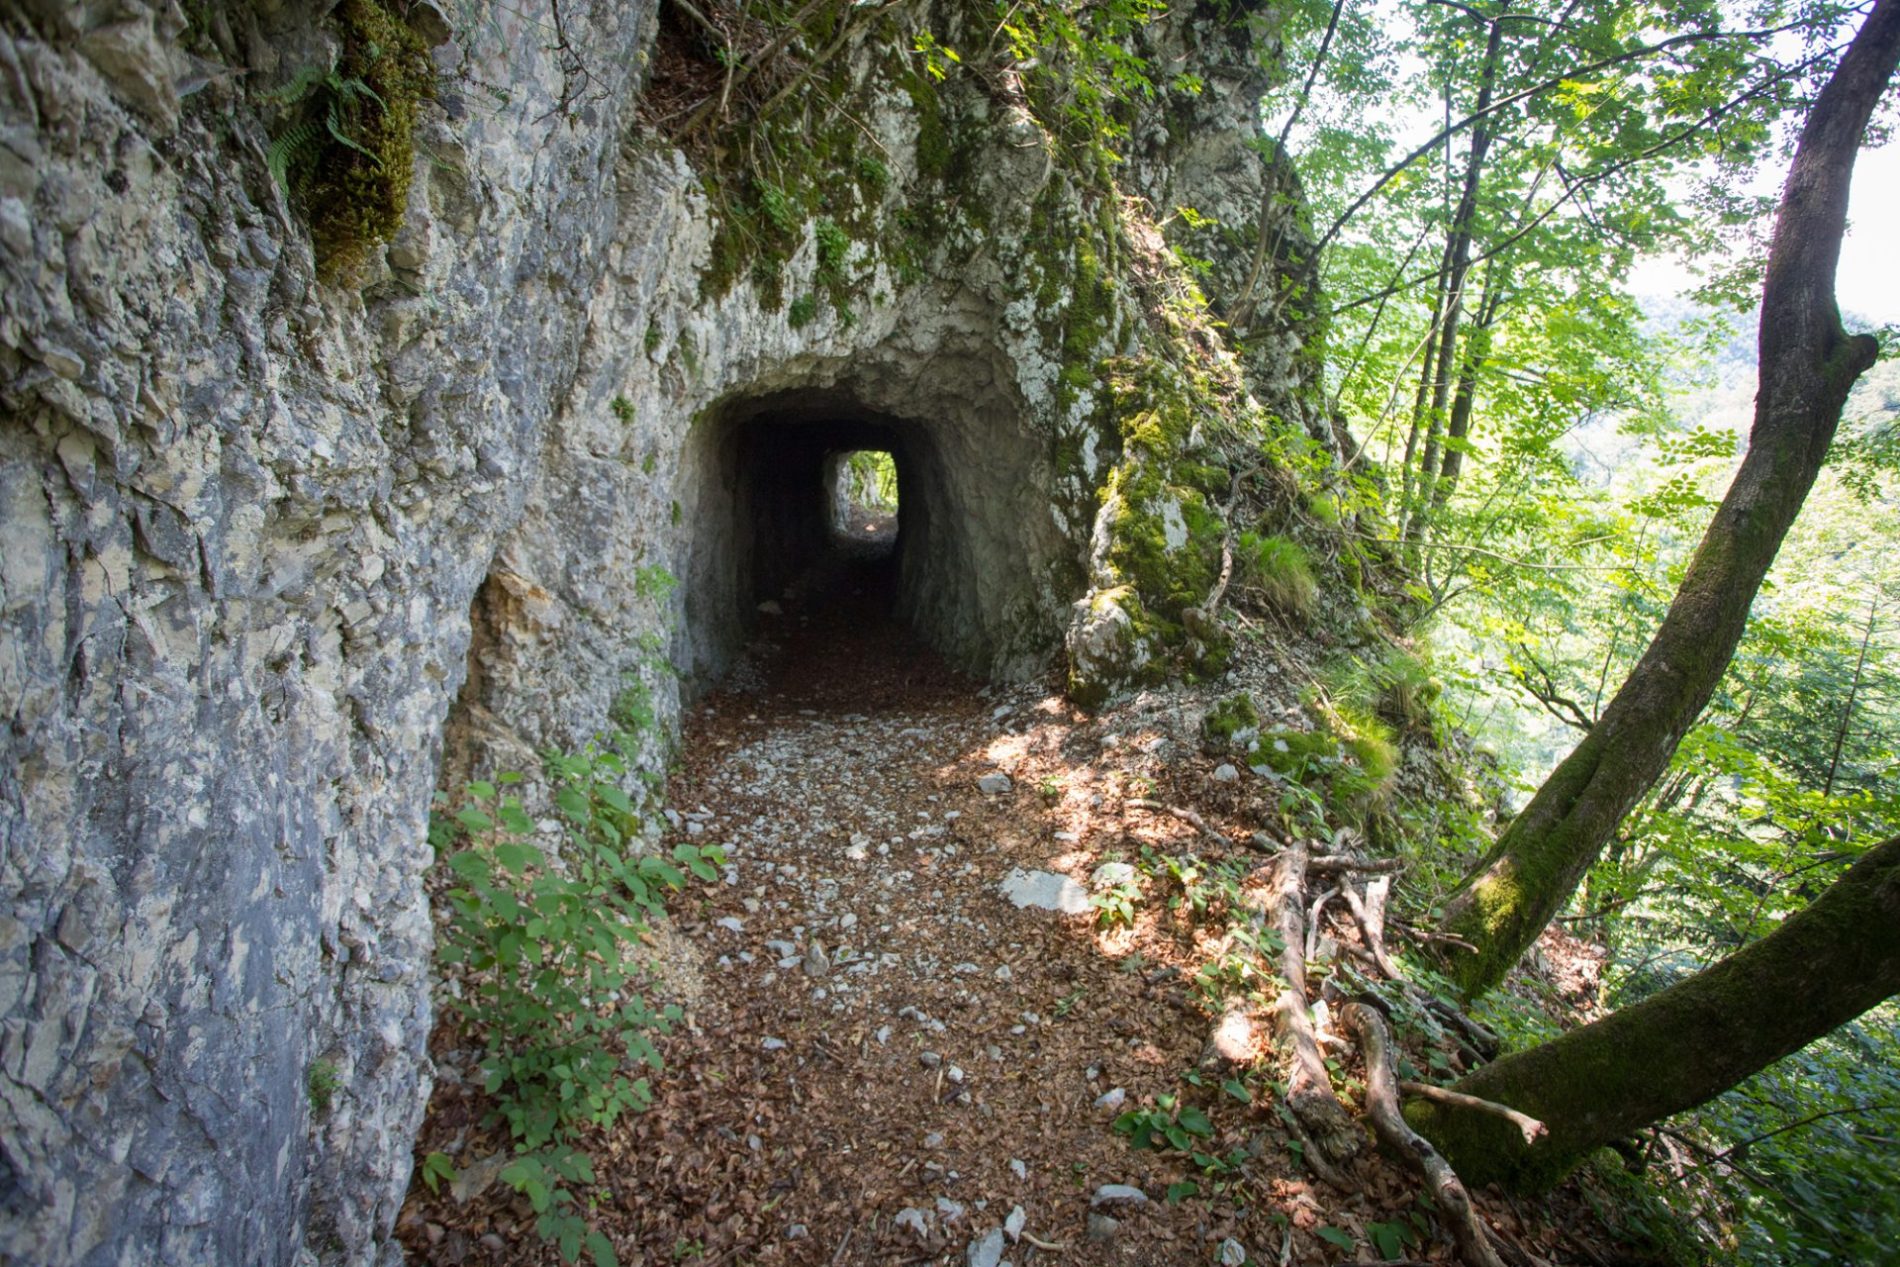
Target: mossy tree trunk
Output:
[
  {"x": 1686, "y": 1045},
  {"x": 1808, "y": 366}
]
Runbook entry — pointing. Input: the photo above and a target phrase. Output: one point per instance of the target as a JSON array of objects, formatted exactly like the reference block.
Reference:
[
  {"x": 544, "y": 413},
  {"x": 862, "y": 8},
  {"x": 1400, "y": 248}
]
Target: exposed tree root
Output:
[
  {"x": 1370, "y": 916},
  {"x": 1345, "y": 862},
  {"x": 1382, "y": 1102},
  {"x": 1315, "y": 1158},
  {"x": 1187, "y": 816},
  {"x": 1309, "y": 1087}
]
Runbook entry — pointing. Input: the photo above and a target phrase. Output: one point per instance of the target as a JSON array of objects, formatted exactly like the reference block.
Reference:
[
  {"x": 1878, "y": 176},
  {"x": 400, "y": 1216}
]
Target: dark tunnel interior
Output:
[{"x": 759, "y": 487}]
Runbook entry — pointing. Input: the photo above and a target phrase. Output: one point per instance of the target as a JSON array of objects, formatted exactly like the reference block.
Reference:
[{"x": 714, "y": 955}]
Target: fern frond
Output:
[
  {"x": 333, "y": 119},
  {"x": 292, "y": 144},
  {"x": 350, "y": 89},
  {"x": 301, "y": 85}
]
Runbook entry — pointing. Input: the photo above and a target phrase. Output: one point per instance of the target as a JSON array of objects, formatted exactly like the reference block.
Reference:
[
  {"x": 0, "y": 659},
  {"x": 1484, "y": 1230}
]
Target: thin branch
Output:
[
  {"x": 1582, "y": 180},
  {"x": 1528, "y": 1126},
  {"x": 1502, "y": 103},
  {"x": 1186, "y": 815}
]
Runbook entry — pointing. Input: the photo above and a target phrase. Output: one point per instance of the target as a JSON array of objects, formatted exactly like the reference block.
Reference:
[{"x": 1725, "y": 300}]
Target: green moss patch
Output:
[{"x": 346, "y": 148}]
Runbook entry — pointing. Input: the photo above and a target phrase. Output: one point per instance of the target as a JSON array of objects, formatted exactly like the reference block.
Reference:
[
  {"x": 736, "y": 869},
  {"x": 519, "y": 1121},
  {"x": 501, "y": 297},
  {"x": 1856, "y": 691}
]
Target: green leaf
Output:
[
  {"x": 1334, "y": 1236},
  {"x": 601, "y": 1249},
  {"x": 1179, "y": 1192},
  {"x": 437, "y": 1169},
  {"x": 665, "y": 872},
  {"x": 1195, "y": 1122},
  {"x": 517, "y": 857},
  {"x": 1389, "y": 1238}
]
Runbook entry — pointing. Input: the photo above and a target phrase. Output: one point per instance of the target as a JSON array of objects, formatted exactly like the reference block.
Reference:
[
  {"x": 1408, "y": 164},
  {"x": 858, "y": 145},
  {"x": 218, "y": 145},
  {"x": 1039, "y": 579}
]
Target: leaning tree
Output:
[{"x": 1808, "y": 365}]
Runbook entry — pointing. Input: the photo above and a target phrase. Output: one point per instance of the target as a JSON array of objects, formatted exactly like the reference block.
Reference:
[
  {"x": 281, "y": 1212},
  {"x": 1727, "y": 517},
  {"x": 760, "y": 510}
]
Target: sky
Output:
[
  {"x": 1869, "y": 280},
  {"x": 1868, "y": 284}
]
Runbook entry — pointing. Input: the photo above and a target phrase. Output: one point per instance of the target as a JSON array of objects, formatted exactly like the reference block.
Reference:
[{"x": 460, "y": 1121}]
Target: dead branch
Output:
[
  {"x": 1527, "y": 1125},
  {"x": 1382, "y": 1101},
  {"x": 1187, "y": 816},
  {"x": 1316, "y": 924},
  {"x": 1365, "y": 866},
  {"x": 1309, "y": 1087},
  {"x": 1370, "y": 916}
]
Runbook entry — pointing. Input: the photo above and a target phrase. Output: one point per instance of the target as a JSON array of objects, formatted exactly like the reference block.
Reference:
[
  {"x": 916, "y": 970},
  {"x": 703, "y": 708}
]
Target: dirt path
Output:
[
  {"x": 884, "y": 1058},
  {"x": 881, "y": 1031}
]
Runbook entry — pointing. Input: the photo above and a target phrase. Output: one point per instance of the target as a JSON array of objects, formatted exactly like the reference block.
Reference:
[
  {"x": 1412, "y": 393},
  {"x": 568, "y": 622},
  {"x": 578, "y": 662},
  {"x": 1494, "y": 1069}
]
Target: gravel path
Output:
[
  {"x": 892, "y": 1057},
  {"x": 884, "y": 1059}
]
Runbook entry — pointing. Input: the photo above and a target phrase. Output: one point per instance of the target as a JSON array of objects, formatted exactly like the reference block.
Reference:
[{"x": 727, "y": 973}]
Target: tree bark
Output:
[
  {"x": 1686, "y": 1045},
  {"x": 1808, "y": 366},
  {"x": 1436, "y": 375}
]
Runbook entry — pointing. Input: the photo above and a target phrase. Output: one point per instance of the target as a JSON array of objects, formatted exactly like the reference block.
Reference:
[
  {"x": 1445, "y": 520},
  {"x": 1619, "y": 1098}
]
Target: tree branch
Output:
[{"x": 1628, "y": 55}]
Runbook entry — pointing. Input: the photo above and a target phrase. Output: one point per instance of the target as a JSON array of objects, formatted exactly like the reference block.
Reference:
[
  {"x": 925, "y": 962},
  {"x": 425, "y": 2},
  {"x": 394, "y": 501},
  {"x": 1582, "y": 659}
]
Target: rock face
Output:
[{"x": 267, "y": 532}]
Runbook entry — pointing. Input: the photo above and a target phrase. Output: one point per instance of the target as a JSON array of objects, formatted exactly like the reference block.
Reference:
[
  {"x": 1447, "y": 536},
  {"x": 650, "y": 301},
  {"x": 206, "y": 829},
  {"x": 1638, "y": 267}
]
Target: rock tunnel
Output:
[{"x": 980, "y": 562}]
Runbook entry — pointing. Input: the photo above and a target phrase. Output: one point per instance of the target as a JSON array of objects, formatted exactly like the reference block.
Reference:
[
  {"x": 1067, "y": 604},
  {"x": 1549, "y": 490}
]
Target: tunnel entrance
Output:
[{"x": 814, "y": 497}]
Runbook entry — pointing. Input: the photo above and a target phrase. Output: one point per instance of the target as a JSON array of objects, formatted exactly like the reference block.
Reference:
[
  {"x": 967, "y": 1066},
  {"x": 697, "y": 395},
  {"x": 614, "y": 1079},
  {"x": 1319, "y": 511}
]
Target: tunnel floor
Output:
[
  {"x": 871, "y": 1026},
  {"x": 833, "y": 642}
]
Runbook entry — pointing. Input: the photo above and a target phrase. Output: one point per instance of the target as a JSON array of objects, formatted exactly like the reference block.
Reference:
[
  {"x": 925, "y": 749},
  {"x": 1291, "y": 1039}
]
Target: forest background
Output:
[{"x": 1542, "y": 431}]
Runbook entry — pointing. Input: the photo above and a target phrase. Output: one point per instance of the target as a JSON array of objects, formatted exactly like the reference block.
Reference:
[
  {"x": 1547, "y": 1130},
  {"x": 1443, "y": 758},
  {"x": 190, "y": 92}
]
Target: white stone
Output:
[{"x": 1045, "y": 890}]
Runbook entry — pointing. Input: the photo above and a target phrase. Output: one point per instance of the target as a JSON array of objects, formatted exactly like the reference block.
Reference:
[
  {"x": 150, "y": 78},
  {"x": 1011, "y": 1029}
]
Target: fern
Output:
[
  {"x": 325, "y": 99},
  {"x": 295, "y": 144}
]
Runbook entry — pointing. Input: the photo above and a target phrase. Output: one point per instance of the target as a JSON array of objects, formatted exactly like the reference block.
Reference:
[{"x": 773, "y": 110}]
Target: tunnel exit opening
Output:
[{"x": 864, "y": 499}]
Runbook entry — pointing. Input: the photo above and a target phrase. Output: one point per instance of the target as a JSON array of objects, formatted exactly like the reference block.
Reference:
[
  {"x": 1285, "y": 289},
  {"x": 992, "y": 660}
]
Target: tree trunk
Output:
[
  {"x": 1808, "y": 366},
  {"x": 1477, "y": 351},
  {"x": 1436, "y": 376},
  {"x": 1688, "y": 1044}
]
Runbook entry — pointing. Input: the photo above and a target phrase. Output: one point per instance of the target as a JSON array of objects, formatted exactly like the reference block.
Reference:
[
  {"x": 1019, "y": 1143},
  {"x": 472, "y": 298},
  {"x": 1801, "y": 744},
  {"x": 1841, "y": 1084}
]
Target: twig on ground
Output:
[{"x": 1382, "y": 1102}]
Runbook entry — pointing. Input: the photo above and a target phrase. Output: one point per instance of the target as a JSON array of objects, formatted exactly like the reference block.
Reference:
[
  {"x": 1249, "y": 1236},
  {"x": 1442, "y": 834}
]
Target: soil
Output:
[{"x": 872, "y": 1028}]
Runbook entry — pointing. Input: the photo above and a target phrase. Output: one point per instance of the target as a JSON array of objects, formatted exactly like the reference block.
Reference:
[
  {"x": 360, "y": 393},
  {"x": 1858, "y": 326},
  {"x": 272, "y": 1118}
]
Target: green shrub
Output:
[
  {"x": 550, "y": 983},
  {"x": 1279, "y": 570}
]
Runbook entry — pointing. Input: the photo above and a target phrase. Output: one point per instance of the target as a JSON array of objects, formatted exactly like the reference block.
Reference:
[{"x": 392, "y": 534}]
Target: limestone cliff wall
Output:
[{"x": 248, "y": 508}]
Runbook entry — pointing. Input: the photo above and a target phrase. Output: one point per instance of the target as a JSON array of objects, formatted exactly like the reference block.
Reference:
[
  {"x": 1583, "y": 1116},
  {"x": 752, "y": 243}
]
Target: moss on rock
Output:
[{"x": 355, "y": 187}]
